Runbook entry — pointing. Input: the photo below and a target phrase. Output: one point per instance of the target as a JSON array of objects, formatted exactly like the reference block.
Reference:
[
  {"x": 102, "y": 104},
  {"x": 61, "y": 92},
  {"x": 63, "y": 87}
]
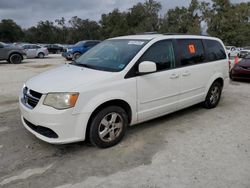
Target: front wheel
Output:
[
  {"x": 108, "y": 127},
  {"x": 76, "y": 55},
  {"x": 213, "y": 96}
]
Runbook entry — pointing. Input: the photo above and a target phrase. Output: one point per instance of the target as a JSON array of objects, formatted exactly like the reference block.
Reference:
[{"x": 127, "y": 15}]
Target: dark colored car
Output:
[
  {"x": 241, "y": 70},
  {"x": 13, "y": 54},
  {"x": 75, "y": 51},
  {"x": 54, "y": 48}
]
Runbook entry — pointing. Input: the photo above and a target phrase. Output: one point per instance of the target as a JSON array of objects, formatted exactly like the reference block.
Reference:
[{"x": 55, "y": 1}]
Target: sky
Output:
[{"x": 27, "y": 13}]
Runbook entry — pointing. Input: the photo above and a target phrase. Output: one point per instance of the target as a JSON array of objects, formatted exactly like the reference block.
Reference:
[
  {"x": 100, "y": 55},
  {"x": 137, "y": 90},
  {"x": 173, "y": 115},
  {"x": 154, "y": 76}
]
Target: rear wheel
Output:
[
  {"x": 41, "y": 55},
  {"x": 15, "y": 59},
  {"x": 213, "y": 96},
  {"x": 108, "y": 127}
]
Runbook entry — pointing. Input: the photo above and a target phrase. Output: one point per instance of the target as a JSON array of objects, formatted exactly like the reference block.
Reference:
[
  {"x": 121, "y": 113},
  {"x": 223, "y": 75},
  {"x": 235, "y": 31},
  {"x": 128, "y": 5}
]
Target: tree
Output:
[
  {"x": 10, "y": 31},
  {"x": 183, "y": 20},
  {"x": 144, "y": 17},
  {"x": 113, "y": 24},
  {"x": 230, "y": 22}
]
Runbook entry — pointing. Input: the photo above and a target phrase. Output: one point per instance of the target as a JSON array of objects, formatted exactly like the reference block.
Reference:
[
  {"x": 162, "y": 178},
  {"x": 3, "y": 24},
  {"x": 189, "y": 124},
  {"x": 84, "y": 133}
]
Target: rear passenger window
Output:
[
  {"x": 214, "y": 50},
  {"x": 191, "y": 51},
  {"x": 162, "y": 53}
]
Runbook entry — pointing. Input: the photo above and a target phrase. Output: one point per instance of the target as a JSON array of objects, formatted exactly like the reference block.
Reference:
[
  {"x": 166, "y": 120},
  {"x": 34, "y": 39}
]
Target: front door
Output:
[{"x": 158, "y": 92}]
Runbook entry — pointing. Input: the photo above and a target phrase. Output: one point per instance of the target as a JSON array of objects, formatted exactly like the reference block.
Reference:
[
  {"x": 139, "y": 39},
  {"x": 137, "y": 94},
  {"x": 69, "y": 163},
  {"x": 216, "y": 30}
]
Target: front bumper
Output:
[
  {"x": 240, "y": 74},
  {"x": 67, "y": 55},
  {"x": 67, "y": 126}
]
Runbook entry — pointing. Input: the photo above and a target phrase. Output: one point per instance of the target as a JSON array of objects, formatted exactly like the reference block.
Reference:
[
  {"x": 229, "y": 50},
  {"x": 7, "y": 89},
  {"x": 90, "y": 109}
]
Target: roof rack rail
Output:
[
  {"x": 185, "y": 34},
  {"x": 148, "y": 33}
]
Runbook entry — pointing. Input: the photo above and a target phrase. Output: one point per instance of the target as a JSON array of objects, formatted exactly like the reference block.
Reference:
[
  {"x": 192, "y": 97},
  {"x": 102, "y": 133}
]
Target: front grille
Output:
[
  {"x": 31, "y": 97},
  {"x": 41, "y": 130}
]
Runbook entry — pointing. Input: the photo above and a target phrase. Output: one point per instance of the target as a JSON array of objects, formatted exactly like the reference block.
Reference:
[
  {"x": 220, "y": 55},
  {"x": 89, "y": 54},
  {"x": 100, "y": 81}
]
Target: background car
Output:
[
  {"x": 33, "y": 50},
  {"x": 54, "y": 48},
  {"x": 244, "y": 52},
  {"x": 13, "y": 54},
  {"x": 241, "y": 70},
  {"x": 75, "y": 51},
  {"x": 232, "y": 51}
]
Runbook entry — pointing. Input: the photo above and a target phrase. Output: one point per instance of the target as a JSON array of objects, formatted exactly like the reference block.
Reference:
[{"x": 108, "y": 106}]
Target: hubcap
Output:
[
  {"x": 215, "y": 94},
  {"x": 15, "y": 58},
  {"x": 110, "y": 127}
]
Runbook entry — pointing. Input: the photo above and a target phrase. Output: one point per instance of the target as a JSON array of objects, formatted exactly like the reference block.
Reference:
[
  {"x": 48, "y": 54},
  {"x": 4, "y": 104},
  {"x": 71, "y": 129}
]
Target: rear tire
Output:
[
  {"x": 41, "y": 55},
  {"x": 15, "y": 59},
  {"x": 213, "y": 96},
  {"x": 108, "y": 127}
]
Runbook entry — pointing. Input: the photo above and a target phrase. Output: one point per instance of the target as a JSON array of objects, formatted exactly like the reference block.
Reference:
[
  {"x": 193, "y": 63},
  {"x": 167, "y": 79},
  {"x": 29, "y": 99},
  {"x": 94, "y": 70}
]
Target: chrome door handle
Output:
[{"x": 174, "y": 76}]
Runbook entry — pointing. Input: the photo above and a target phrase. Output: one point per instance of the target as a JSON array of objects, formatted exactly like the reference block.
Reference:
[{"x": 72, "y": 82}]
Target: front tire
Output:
[
  {"x": 108, "y": 127},
  {"x": 15, "y": 59},
  {"x": 213, "y": 96},
  {"x": 76, "y": 55}
]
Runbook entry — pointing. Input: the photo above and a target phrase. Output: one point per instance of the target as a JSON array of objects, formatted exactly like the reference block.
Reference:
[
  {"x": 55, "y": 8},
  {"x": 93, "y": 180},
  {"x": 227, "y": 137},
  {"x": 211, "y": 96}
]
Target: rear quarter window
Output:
[{"x": 214, "y": 51}]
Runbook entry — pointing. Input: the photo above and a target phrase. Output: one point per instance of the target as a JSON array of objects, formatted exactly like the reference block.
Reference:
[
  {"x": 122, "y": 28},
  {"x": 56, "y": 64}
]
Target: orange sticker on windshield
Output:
[{"x": 191, "y": 49}]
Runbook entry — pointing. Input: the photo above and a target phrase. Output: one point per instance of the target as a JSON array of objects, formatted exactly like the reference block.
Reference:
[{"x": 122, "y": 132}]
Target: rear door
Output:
[
  {"x": 194, "y": 72},
  {"x": 158, "y": 92}
]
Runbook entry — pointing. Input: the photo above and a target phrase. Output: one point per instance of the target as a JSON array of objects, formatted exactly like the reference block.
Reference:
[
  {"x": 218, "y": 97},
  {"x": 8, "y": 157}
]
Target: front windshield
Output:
[{"x": 111, "y": 55}]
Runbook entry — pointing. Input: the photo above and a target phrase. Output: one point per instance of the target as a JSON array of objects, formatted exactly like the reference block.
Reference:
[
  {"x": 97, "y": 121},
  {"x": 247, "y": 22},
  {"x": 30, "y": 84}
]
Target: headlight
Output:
[
  {"x": 61, "y": 101},
  {"x": 69, "y": 50}
]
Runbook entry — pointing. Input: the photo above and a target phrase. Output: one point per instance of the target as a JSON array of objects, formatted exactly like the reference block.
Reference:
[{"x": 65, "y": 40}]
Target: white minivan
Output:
[{"x": 123, "y": 81}]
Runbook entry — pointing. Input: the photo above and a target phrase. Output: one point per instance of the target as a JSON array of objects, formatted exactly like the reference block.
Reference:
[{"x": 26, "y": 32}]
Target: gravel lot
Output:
[{"x": 191, "y": 148}]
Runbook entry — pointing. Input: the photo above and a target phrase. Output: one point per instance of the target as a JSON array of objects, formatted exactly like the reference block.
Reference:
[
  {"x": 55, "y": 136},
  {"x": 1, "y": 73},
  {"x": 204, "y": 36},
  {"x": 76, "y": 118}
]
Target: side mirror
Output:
[{"x": 147, "y": 67}]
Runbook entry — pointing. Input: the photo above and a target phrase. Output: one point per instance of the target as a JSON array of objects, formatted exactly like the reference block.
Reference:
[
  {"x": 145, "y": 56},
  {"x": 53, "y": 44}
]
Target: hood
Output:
[
  {"x": 244, "y": 63},
  {"x": 66, "y": 78}
]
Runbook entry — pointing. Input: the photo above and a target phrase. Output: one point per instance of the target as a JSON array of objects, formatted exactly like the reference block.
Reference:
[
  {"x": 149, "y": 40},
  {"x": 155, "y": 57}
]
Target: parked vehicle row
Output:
[
  {"x": 33, "y": 51},
  {"x": 123, "y": 81},
  {"x": 233, "y": 51}
]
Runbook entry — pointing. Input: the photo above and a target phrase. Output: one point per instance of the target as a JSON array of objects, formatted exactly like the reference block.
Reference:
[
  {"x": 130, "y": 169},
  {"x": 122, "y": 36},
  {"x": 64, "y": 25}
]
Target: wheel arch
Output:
[
  {"x": 216, "y": 78},
  {"x": 115, "y": 102},
  {"x": 15, "y": 53}
]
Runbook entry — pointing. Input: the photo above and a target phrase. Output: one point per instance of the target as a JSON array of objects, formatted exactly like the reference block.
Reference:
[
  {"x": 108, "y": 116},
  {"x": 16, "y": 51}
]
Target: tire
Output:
[
  {"x": 76, "y": 55},
  {"x": 15, "y": 59},
  {"x": 41, "y": 55},
  {"x": 105, "y": 132},
  {"x": 213, "y": 96}
]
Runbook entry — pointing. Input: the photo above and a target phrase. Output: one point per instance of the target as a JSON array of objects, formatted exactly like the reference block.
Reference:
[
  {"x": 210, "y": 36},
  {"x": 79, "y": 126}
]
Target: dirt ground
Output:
[{"x": 191, "y": 148}]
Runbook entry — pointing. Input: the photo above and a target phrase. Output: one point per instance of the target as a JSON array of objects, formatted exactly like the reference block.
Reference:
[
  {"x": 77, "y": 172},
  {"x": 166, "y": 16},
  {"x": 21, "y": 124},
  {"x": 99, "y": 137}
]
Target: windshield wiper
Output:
[{"x": 81, "y": 64}]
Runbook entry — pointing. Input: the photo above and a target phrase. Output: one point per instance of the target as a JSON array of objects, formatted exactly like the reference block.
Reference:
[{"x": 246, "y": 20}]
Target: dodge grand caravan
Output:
[{"x": 123, "y": 81}]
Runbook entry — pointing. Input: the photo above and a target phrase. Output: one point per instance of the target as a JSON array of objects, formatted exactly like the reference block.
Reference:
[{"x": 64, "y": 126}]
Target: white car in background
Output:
[
  {"x": 33, "y": 51},
  {"x": 232, "y": 51}
]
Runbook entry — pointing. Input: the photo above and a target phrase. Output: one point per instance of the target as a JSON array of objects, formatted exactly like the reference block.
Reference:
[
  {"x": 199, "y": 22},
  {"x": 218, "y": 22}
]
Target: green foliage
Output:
[
  {"x": 10, "y": 31},
  {"x": 230, "y": 22},
  {"x": 182, "y": 20}
]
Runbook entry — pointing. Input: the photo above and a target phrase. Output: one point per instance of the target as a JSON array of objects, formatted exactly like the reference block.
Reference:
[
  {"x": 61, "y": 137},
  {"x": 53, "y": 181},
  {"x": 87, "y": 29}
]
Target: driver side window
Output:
[{"x": 162, "y": 53}]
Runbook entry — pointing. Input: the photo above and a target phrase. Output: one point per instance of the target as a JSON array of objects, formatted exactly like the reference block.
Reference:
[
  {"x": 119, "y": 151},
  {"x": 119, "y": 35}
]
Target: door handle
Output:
[
  {"x": 186, "y": 74},
  {"x": 174, "y": 76}
]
